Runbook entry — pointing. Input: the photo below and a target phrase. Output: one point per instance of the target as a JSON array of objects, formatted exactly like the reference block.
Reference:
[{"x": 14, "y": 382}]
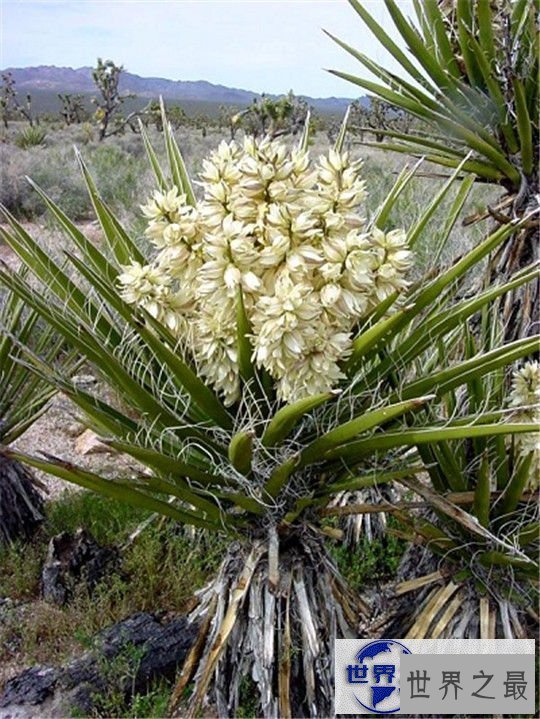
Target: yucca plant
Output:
[
  {"x": 472, "y": 76},
  {"x": 31, "y": 137},
  {"x": 23, "y": 399},
  {"x": 472, "y": 566},
  {"x": 252, "y": 353}
]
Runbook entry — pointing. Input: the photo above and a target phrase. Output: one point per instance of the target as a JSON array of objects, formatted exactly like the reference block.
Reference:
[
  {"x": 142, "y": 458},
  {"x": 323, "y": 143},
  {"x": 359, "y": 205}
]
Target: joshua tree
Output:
[
  {"x": 254, "y": 356},
  {"x": 275, "y": 118},
  {"x": 23, "y": 398},
  {"x": 231, "y": 118},
  {"x": 471, "y": 76},
  {"x": 72, "y": 108},
  {"x": 175, "y": 115},
  {"x": 9, "y": 101},
  {"x": 378, "y": 118},
  {"x": 106, "y": 76}
]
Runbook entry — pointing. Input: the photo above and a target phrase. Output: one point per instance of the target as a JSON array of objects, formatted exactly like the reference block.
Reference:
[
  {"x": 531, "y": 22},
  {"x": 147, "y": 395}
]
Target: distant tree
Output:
[
  {"x": 377, "y": 117},
  {"x": 175, "y": 115},
  {"x": 9, "y": 102},
  {"x": 5, "y": 101},
  {"x": 266, "y": 116},
  {"x": 106, "y": 76},
  {"x": 72, "y": 110},
  {"x": 230, "y": 118}
]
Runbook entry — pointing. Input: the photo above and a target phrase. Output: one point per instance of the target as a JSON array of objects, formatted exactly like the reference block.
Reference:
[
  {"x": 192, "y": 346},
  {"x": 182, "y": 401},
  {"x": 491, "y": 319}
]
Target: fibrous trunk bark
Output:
[
  {"x": 268, "y": 624},
  {"x": 364, "y": 525},
  {"x": 21, "y": 505},
  {"x": 429, "y": 601}
]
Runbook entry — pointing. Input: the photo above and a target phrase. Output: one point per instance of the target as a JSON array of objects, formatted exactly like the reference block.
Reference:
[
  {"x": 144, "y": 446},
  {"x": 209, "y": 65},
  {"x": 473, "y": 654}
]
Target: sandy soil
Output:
[{"x": 57, "y": 432}]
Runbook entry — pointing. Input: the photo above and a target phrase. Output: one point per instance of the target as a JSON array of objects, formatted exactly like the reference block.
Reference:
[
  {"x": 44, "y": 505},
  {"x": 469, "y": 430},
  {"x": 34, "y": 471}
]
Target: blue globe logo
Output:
[{"x": 374, "y": 677}]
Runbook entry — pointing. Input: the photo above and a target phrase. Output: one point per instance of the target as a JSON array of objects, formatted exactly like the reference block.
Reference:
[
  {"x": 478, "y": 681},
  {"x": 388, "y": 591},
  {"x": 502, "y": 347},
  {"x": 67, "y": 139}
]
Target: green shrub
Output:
[{"x": 31, "y": 137}]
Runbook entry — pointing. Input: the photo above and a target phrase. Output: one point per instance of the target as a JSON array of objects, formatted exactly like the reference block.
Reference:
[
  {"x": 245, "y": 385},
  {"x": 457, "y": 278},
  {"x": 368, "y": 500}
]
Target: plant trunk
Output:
[
  {"x": 432, "y": 604},
  {"x": 370, "y": 526},
  {"x": 21, "y": 505},
  {"x": 268, "y": 623}
]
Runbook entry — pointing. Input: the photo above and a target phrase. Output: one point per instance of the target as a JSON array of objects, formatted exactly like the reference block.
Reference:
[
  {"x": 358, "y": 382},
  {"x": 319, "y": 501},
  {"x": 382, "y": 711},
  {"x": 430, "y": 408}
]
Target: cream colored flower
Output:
[
  {"x": 288, "y": 233},
  {"x": 525, "y": 397},
  {"x": 166, "y": 205}
]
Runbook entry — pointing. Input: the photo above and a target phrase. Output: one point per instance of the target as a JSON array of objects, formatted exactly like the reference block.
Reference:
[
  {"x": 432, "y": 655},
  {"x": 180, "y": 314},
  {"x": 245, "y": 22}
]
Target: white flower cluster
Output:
[
  {"x": 525, "y": 397},
  {"x": 286, "y": 233}
]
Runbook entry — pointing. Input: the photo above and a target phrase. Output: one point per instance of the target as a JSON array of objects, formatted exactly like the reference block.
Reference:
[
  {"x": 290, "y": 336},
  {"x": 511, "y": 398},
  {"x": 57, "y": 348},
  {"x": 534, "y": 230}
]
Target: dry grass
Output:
[{"x": 158, "y": 573}]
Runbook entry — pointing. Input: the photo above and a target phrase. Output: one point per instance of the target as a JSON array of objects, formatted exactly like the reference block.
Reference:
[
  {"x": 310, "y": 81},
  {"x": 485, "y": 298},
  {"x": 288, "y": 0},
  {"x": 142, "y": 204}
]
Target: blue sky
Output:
[{"x": 261, "y": 45}]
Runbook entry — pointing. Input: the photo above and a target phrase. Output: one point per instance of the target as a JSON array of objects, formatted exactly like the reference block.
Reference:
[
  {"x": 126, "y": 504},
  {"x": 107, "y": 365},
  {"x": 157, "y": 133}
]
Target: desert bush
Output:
[
  {"x": 84, "y": 134},
  {"x": 117, "y": 173},
  {"x": 123, "y": 173}
]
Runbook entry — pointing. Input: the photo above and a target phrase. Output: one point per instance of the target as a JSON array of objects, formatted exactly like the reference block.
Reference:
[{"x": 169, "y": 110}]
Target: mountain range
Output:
[{"x": 50, "y": 79}]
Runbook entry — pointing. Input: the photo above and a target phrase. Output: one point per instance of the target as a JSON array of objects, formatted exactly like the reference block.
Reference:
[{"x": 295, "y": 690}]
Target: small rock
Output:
[
  {"x": 89, "y": 443},
  {"x": 84, "y": 380},
  {"x": 74, "y": 429}
]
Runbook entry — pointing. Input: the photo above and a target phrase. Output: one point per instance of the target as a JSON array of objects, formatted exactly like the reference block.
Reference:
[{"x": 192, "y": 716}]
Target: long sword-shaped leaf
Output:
[
  {"x": 457, "y": 130},
  {"x": 464, "y": 23},
  {"x": 514, "y": 491},
  {"x": 152, "y": 158},
  {"x": 525, "y": 128},
  {"x": 340, "y": 140},
  {"x": 176, "y": 161},
  {"x": 446, "y": 379},
  {"x": 243, "y": 331},
  {"x": 355, "y": 482},
  {"x": 166, "y": 464},
  {"x": 181, "y": 490},
  {"x": 416, "y": 231},
  {"x": 122, "y": 247},
  {"x": 286, "y": 418},
  {"x": 109, "y": 488},
  {"x": 387, "y": 42},
  {"x": 241, "y": 452},
  {"x": 280, "y": 476},
  {"x": 448, "y": 157},
  {"x": 482, "y": 493},
  {"x": 303, "y": 143},
  {"x": 462, "y": 266},
  {"x": 403, "y": 180},
  {"x": 418, "y": 48},
  {"x": 55, "y": 279},
  {"x": 88, "y": 249},
  {"x": 201, "y": 395},
  {"x": 451, "y": 219},
  {"x": 370, "y": 338},
  {"x": 349, "y": 430},
  {"x": 106, "y": 361},
  {"x": 412, "y": 437},
  {"x": 441, "y": 324},
  {"x": 442, "y": 45}
]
